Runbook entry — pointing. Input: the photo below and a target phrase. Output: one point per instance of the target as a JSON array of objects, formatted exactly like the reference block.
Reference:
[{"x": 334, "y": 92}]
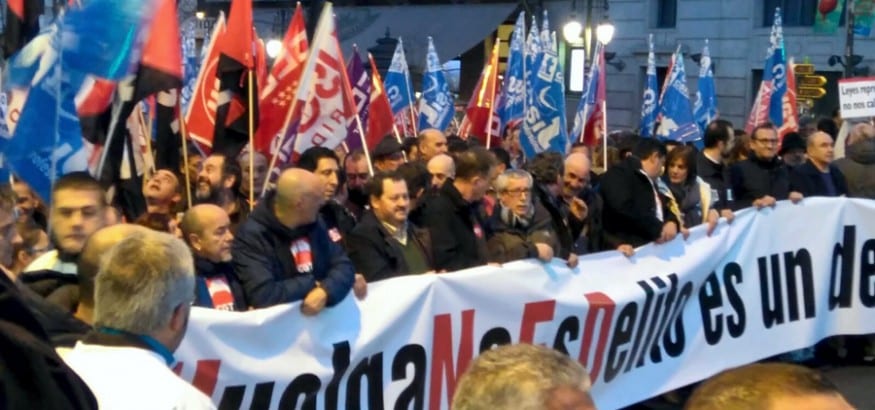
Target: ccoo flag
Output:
[
  {"x": 512, "y": 103},
  {"x": 436, "y": 105},
  {"x": 543, "y": 129},
  {"x": 705, "y": 109},
  {"x": 676, "y": 111},
  {"x": 397, "y": 82},
  {"x": 380, "y": 120},
  {"x": 650, "y": 103}
]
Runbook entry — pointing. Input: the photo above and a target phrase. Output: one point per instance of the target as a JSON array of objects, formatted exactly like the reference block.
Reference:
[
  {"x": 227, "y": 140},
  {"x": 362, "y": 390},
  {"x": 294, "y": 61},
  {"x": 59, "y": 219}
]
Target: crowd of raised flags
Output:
[{"x": 73, "y": 88}]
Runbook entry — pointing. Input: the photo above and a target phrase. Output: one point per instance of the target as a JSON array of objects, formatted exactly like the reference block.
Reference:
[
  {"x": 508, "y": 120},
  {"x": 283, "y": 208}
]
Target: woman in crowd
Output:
[{"x": 692, "y": 195}]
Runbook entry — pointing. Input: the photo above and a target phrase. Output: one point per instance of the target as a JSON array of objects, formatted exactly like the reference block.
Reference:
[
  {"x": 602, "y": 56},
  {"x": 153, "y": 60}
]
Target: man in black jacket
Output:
[
  {"x": 547, "y": 169},
  {"x": 385, "y": 244},
  {"x": 635, "y": 213},
  {"x": 818, "y": 176},
  {"x": 457, "y": 229},
  {"x": 711, "y": 167},
  {"x": 762, "y": 179},
  {"x": 206, "y": 229},
  {"x": 283, "y": 252},
  {"x": 324, "y": 163}
]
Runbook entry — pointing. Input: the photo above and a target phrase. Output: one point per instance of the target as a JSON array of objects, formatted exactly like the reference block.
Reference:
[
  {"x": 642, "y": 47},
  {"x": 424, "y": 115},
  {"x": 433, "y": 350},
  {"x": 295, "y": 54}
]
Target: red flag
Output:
[
  {"x": 22, "y": 24},
  {"x": 161, "y": 64},
  {"x": 236, "y": 60},
  {"x": 325, "y": 106},
  {"x": 282, "y": 84},
  {"x": 260, "y": 61},
  {"x": 790, "y": 109},
  {"x": 200, "y": 121},
  {"x": 482, "y": 118},
  {"x": 380, "y": 120}
]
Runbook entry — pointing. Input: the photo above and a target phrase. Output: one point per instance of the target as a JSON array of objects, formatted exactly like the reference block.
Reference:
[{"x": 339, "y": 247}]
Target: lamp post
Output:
[{"x": 577, "y": 34}]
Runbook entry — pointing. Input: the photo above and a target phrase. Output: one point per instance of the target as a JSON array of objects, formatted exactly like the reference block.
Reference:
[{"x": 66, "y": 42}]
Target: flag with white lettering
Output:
[
  {"x": 436, "y": 105},
  {"x": 544, "y": 126},
  {"x": 650, "y": 101},
  {"x": 398, "y": 87},
  {"x": 677, "y": 122},
  {"x": 511, "y": 103},
  {"x": 361, "y": 95},
  {"x": 705, "y": 109}
]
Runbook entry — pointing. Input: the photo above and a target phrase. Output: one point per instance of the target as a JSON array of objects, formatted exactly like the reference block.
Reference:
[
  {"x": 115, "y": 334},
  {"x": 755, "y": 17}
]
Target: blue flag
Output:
[
  {"x": 544, "y": 127},
  {"x": 511, "y": 106},
  {"x": 677, "y": 112},
  {"x": 705, "y": 109},
  {"x": 191, "y": 63},
  {"x": 532, "y": 54},
  {"x": 397, "y": 81},
  {"x": 776, "y": 71},
  {"x": 436, "y": 106},
  {"x": 98, "y": 39},
  {"x": 649, "y": 105}
]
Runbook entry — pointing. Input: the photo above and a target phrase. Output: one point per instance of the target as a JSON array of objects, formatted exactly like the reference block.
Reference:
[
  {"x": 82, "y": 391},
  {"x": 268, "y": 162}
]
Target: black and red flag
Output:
[
  {"x": 22, "y": 24},
  {"x": 236, "y": 61}
]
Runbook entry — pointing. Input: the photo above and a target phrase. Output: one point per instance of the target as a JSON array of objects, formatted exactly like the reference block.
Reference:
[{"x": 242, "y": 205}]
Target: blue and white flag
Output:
[
  {"x": 436, "y": 105},
  {"x": 397, "y": 81},
  {"x": 650, "y": 102},
  {"x": 191, "y": 63},
  {"x": 100, "y": 39},
  {"x": 532, "y": 54},
  {"x": 776, "y": 71},
  {"x": 546, "y": 40},
  {"x": 544, "y": 127},
  {"x": 705, "y": 109},
  {"x": 676, "y": 111},
  {"x": 511, "y": 106}
]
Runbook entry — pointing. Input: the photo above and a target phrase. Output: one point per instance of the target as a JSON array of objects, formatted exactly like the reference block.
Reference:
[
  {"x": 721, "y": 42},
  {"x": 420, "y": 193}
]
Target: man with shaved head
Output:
[
  {"x": 431, "y": 142},
  {"x": 206, "y": 228},
  {"x": 441, "y": 167},
  {"x": 283, "y": 252},
  {"x": 818, "y": 176}
]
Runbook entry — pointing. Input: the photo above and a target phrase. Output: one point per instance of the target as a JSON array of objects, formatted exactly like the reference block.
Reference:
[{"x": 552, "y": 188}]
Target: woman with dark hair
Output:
[
  {"x": 692, "y": 195},
  {"x": 160, "y": 222}
]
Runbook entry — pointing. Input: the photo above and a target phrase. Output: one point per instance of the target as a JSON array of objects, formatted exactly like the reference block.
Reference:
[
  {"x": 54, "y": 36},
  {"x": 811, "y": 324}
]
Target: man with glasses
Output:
[
  {"x": 519, "y": 227},
  {"x": 763, "y": 179}
]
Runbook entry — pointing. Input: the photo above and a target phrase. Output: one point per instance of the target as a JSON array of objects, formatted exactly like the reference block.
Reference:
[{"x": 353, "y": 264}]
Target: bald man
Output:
[
  {"x": 206, "y": 228},
  {"x": 441, "y": 167},
  {"x": 283, "y": 252},
  {"x": 818, "y": 176},
  {"x": 431, "y": 142}
]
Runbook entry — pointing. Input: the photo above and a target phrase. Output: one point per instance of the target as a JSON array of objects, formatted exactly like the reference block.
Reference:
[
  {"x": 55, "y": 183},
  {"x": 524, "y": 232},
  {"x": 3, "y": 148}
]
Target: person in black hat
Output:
[
  {"x": 387, "y": 155},
  {"x": 792, "y": 150}
]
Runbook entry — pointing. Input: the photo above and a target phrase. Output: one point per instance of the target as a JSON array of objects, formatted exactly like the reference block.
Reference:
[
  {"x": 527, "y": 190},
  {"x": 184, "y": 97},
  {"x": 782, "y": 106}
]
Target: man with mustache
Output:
[
  {"x": 385, "y": 244},
  {"x": 218, "y": 183},
  {"x": 324, "y": 163}
]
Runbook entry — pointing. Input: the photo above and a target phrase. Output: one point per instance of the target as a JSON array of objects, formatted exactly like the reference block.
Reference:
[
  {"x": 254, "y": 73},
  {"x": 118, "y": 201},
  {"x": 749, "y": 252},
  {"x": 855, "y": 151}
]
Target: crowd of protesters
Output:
[{"x": 329, "y": 226}]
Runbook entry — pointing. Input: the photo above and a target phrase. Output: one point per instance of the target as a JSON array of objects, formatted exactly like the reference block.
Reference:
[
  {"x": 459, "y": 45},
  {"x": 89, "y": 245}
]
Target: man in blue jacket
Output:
[{"x": 283, "y": 252}]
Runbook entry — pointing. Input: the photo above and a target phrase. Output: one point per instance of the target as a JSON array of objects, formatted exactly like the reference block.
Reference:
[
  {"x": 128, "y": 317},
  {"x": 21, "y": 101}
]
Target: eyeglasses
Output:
[
  {"x": 767, "y": 141},
  {"x": 518, "y": 192}
]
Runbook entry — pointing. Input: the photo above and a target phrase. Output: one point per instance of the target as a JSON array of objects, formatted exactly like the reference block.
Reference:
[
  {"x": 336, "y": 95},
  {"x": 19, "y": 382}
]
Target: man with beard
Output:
[
  {"x": 259, "y": 173},
  {"x": 324, "y": 163},
  {"x": 547, "y": 169},
  {"x": 284, "y": 253},
  {"x": 78, "y": 210},
  {"x": 206, "y": 229},
  {"x": 385, "y": 244},
  {"x": 357, "y": 176},
  {"x": 218, "y": 183},
  {"x": 711, "y": 165},
  {"x": 162, "y": 193},
  {"x": 519, "y": 228},
  {"x": 763, "y": 179}
]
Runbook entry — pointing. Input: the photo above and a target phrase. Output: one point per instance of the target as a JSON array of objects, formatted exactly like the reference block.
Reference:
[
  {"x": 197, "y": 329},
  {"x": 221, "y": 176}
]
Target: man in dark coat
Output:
[
  {"x": 206, "y": 229},
  {"x": 818, "y": 176},
  {"x": 635, "y": 213},
  {"x": 519, "y": 228},
  {"x": 385, "y": 244},
  {"x": 457, "y": 228},
  {"x": 762, "y": 179},
  {"x": 858, "y": 165},
  {"x": 324, "y": 163},
  {"x": 567, "y": 219},
  {"x": 283, "y": 252}
]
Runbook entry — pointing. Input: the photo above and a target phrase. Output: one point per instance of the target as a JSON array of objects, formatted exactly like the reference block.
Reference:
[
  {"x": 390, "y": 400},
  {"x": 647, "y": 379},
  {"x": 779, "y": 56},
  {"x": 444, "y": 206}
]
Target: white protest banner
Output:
[
  {"x": 774, "y": 280},
  {"x": 857, "y": 97}
]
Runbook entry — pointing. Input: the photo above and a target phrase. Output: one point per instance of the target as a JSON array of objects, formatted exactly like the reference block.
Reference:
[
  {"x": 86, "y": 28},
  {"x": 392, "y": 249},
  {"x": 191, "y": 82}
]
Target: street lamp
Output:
[
  {"x": 273, "y": 47},
  {"x": 572, "y": 29},
  {"x": 605, "y": 32}
]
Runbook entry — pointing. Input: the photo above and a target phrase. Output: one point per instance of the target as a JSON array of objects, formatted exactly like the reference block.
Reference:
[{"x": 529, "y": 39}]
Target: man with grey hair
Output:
[
  {"x": 143, "y": 297},
  {"x": 858, "y": 165},
  {"x": 519, "y": 227},
  {"x": 441, "y": 167},
  {"x": 523, "y": 377}
]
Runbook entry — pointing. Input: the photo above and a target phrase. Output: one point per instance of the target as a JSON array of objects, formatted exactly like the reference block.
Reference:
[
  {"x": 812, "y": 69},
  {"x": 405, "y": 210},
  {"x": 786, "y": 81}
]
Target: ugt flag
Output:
[
  {"x": 649, "y": 102},
  {"x": 543, "y": 129},
  {"x": 706, "y": 97},
  {"x": 397, "y": 82},
  {"x": 512, "y": 103},
  {"x": 436, "y": 105},
  {"x": 676, "y": 111},
  {"x": 767, "y": 104}
]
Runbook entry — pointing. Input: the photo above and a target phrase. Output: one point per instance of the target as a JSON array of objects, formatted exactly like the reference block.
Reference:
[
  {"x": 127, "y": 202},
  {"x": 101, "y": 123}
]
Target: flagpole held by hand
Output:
[
  {"x": 183, "y": 134},
  {"x": 250, "y": 79}
]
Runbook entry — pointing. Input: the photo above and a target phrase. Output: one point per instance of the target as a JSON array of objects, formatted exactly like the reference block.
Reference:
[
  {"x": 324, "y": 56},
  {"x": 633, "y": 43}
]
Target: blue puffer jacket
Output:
[{"x": 264, "y": 263}]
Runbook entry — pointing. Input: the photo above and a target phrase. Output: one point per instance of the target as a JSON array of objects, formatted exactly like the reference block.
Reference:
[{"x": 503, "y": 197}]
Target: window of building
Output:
[
  {"x": 796, "y": 13},
  {"x": 666, "y": 13}
]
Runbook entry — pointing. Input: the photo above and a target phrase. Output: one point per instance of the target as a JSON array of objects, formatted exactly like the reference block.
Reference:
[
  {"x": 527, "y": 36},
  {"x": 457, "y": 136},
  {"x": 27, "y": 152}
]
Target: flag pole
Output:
[
  {"x": 183, "y": 134},
  {"x": 148, "y": 137},
  {"x": 583, "y": 121},
  {"x": 605, "y": 133},
  {"x": 251, "y": 80},
  {"x": 494, "y": 79}
]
